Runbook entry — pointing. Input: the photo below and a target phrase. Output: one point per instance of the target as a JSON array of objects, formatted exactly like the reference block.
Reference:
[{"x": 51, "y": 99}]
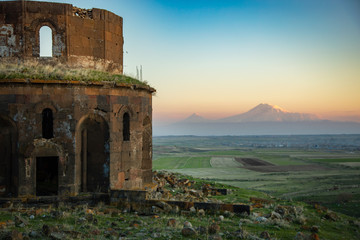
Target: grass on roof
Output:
[{"x": 61, "y": 72}]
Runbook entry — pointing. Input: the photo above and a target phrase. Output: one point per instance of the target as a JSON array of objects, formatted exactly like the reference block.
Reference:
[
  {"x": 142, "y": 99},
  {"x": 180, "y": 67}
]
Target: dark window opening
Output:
[
  {"x": 47, "y": 124},
  {"x": 47, "y": 176},
  {"x": 126, "y": 127}
]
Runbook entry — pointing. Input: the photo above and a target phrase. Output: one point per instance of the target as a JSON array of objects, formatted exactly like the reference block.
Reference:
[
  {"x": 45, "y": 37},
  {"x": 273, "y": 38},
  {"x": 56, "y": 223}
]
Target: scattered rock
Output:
[
  {"x": 282, "y": 210},
  {"x": 193, "y": 210},
  {"x": 48, "y": 230},
  {"x": 331, "y": 216},
  {"x": 187, "y": 224},
  {"x": 275, "y": 215},
  {"x": 81, "y": 220},
  {"x": 214, "y": 228},
  {"x": 201, "y": 213},
  {"x": 239, "y": 234},
  {"x": 95, "y": 232},
  {"x": 202, "y": 230},
  {"x": 89, "y": 217},
  {"x": 57, "y": 235},
  {"x": 164, "y": 206},
  {"x": 300, "y": 236},
  {"x": 135, "y": 223},
  {"x": 314, "y": 229},
  {"x": 228, "y": 214},
  {"x": 175, "y": 210},
  {"x": 265, "y": 235},
  {"x": 261, "y": 219},
  {"x": 221, "y": 218},
  {"x": 185, "y": 213},
  {"x": 314, "y": 236},
  {"x": 172, "y": 222},
  {"x": 34, "y": 234},
  {"x": 20, "y": 222},
  {"x": 15, "y": 235},
  {"x": 188, "y": 232},
  {"x": 38, "y": 212},
  {"x": 8, "y": 204},
  {"x": 215, "y": 237}
]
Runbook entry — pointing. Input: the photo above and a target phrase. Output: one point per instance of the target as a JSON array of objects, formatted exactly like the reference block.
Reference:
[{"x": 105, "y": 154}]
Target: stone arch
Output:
[
  {"x": 39, "y": 107},
  {"x": 36, "y": 26},
  {"x": 45, "y": 39},
  {"x": 8, "y": 153},
  {"x": 93, "y": 153},
  {"x": 125, "y": 116},
  {"x": 45, "y": 165}
]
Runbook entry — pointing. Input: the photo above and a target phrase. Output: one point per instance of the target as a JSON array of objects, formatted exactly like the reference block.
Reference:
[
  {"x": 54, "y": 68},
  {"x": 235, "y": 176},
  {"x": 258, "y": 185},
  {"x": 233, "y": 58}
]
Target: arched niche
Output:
[
  {"x": 125, "y": 116},
  {"x": 45, "y": 40},
  {"x": 94, "y": 153},
  {"x": 8, "y": 164}
]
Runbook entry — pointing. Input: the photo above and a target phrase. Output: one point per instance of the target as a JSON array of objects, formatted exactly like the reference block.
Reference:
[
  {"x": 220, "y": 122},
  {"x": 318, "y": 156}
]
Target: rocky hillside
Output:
[{"x": 270, "y": 218}]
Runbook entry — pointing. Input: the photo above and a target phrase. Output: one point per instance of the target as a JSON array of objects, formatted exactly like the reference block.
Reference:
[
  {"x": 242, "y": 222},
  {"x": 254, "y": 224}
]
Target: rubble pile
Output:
[
  {"x": 169, "y": 187},
  {"x": 82, "y": 12}
]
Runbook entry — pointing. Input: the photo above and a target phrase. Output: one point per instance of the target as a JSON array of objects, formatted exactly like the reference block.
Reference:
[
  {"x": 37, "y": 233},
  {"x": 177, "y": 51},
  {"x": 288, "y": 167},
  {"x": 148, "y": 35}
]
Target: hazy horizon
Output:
[
  {"x": 223, "y": 57},
  {"x": 338, "y": 118}
]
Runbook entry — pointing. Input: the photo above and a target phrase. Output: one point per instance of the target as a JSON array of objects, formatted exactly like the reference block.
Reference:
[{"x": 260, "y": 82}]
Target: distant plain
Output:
[{"x": 321, "y": 169}]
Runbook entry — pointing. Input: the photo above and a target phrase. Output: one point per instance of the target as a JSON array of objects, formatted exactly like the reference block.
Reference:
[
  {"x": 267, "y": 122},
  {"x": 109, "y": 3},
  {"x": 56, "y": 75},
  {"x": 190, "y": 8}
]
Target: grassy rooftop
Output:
[{"x": 61, "y": 72}]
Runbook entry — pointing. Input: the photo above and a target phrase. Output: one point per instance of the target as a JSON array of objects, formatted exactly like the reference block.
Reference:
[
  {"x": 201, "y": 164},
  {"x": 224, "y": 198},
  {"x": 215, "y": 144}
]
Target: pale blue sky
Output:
[{"x": 223, "y": 57}]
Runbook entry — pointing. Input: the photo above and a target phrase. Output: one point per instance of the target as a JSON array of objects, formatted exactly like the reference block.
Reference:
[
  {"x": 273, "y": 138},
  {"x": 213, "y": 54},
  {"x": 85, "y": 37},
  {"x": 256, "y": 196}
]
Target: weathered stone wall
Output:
[
  {"x": 81, "y": 38},
  {"x": 78, "y": 110}
]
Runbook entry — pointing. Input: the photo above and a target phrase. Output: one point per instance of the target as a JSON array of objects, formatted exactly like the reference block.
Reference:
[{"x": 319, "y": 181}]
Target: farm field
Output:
[{"x": 311, "y": 174}]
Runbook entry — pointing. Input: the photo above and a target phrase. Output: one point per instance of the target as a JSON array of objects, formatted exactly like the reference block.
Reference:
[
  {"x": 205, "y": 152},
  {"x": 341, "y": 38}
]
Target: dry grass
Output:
[{"x": 35, "y": 70}]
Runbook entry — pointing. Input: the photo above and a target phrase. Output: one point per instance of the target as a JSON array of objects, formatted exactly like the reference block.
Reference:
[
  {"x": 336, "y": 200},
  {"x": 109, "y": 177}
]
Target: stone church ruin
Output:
[{"x": 67, "y": 137}]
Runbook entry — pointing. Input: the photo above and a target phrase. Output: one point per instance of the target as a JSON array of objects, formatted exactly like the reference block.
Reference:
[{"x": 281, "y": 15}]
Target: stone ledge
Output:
[{"x": 64, "y": 82}]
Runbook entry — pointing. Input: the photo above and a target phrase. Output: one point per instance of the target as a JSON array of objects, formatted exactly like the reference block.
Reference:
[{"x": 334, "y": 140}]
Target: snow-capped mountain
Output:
[
  {"x": 269, "y": 113},
  {"x": 263, "y": 119}
]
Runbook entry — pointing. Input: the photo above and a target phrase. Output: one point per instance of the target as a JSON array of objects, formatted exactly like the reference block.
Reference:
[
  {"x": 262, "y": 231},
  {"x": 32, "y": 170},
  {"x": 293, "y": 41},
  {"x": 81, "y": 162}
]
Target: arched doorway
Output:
[
  {"x": 7, "y": 156},
  {"x": 95, "y": 157}
]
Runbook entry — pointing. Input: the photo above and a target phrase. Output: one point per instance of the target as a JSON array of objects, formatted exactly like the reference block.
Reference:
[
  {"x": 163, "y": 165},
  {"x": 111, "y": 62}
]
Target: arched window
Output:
[
  {"x": 46, "y": 42},
  {"x": 47, "y": 123},
  {"x": 126, "y": 127}
]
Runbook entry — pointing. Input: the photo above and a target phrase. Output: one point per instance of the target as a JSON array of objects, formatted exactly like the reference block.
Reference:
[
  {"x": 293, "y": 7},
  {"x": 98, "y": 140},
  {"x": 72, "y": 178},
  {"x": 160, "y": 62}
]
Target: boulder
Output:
[
  {"x": 172, "y": 222},
  {"x": 214, "y": 228},
  {"x": 188, "y": 232}
]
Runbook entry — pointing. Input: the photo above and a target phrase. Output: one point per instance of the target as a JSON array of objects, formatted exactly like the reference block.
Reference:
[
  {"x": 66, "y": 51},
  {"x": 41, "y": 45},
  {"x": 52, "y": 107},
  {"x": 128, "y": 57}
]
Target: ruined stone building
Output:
[{"x": 67, "y": 137}]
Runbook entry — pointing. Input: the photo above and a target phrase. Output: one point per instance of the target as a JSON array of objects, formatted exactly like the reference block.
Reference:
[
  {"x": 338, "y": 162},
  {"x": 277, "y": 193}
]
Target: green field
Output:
[{"x": 329, "y": 177}]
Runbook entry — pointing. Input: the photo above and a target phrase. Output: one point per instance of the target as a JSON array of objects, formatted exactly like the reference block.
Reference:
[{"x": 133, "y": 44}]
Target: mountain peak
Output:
[
  {"x": 270, "y": 113},
  {"x": 267, "y": 107},
  {"x": 194, "y": 118}
]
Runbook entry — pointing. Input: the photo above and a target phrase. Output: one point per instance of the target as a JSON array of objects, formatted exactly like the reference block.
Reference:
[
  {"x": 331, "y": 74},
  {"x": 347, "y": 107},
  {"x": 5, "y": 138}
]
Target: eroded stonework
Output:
[
  {"x": 64, "y": 138},
  {"x": 81, "y": 38}
]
